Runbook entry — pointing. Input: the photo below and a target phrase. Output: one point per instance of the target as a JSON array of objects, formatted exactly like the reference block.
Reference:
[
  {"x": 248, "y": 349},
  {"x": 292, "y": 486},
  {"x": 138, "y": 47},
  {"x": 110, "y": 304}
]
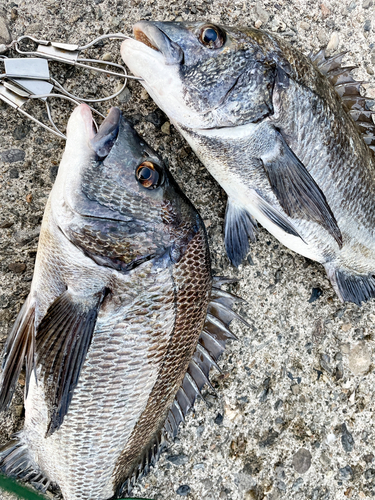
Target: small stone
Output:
[
  {"x": 4, "y": 32},
  {"x": 347, "y": 440},
  {"x": 322, "y": 37},
  {"x": 107, "y": 56},
  {"x": 17, "y": 267},
  {"x": 166, "y": 128},
  {"x": 144, "y": 95},
  {"x": 302, "y": 461},
  {"x": 180, "y": 459},
  {"x": 6, "y": 224},
  {"x": 297, "y": 484},
  {"x": 325, "y": 10},
  {"x": 325, "y": 363},
  {"x": 367, "y": 25},
  {"x": 368, "y": 458},
  {"x": 14, "y": 14},
  {"x": 295, "y": 389},
  {"x": 268, "y": 439},
  {"x": 125, "y": 95},
  {"x": 183, "y": 490},
  {"x": 315, "y": 294},
  {"x": 3, "y": 48},
  {"x": 352, "y": 6},
  {"x": 359, "y": 359},
  {"x": 346, "y": 327},
  {"x": 346, "y": 473},
  {"x": 12, "y": 155},
  {"x": 258, "y": 23},
  {"x": 18, "y": 410},
  {"x": 219, "y": 419},
  {"x": 324, "y": 460},
  {"x": 345, "y": 348},
  {"x": 156, "y": 118},
  {"x": 13, "y": 173},
  {"x": 367, "y": 4},
  {"x": 304, "y": 25},
  {"x": 24, "y": 236},
  {"x": 21, "y": 131},
  {"x": 369, "y": 70},
  {"x": 262, "y": 14},
  {"x": 29, "y": 198},
  {"x": 333, "y": 42}
]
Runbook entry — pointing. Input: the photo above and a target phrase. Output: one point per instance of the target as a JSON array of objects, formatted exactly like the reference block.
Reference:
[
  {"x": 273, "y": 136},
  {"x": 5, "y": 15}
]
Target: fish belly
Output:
[{"x": 122, "y": 365}]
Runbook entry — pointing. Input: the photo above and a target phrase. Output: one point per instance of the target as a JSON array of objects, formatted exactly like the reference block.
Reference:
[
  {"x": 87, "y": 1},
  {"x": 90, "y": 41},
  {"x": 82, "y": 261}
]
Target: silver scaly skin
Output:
[
  {"x": 282, "y": 134},
  {"x": 109, "y": 332}
]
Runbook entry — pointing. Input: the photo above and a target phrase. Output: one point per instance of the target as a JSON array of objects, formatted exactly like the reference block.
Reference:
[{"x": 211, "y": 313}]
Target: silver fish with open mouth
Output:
[
  {"x": 123, "y": 321},
  {"x": 288, "y": 137}
]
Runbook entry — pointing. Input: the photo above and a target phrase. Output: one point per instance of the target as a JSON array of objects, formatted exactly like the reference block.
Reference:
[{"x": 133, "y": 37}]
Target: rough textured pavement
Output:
[{"x": 293, "y": 414}]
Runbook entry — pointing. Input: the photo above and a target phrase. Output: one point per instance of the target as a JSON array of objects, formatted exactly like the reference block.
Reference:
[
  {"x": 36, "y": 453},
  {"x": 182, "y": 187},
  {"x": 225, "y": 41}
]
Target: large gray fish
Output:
[
  {"x": 122, "y": 323},
  {"x": 281, "y": 133}
]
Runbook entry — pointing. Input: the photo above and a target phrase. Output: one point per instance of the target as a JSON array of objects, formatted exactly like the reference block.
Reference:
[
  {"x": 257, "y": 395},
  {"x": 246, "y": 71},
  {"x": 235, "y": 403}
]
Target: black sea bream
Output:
[
  {"x": 122, "y": 323},
  {"x": 282, "y": 134}
]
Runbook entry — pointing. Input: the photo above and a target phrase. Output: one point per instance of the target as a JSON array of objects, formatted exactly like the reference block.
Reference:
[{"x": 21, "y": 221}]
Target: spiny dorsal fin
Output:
[{"x": 349, "y": 90}]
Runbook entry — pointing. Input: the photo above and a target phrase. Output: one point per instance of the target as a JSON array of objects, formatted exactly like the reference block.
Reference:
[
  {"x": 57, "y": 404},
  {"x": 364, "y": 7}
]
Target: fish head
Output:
[
  {"x": 121, "y": 194},
  {"x": 201, "y": 74}
]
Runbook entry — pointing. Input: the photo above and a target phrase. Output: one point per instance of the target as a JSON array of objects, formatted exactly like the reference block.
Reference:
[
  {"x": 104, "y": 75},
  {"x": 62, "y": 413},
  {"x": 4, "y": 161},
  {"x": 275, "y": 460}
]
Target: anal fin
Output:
[
  {"x": 15, "y": 462},
  {"x": 63, "y": 339},
  {"x": 295, "y": 189},
  {"x": 239, "y": 227}
]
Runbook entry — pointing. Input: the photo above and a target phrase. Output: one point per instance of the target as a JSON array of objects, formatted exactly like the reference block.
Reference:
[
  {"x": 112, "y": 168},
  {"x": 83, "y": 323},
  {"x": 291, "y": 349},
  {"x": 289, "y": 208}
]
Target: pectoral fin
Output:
[
  {"x": 296, "y": 190},
  {"x": 239, "y": 227},
  {"x": 19, "y": 351},
  {"x": 62, "y": 342}
]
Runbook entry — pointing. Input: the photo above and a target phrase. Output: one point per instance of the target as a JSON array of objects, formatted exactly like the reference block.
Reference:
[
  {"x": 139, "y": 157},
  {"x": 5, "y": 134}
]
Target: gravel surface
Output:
[{"x": 293, "y": 414}]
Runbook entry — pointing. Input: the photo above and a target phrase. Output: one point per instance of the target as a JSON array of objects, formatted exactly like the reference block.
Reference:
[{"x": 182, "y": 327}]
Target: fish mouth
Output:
[
  {"x": 153, "y": 37},
  {"x": 107, "y": 134}
]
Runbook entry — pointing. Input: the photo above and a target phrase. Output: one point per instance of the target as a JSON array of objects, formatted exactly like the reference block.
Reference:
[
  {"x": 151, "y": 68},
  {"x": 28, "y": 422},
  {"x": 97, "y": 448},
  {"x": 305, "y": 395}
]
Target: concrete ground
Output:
[{"x": 293, "y": 416}]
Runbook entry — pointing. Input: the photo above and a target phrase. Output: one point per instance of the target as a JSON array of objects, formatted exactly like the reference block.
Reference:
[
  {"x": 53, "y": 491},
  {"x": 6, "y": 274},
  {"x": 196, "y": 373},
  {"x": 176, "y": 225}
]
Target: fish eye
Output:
[
  {"x": 212, "y": 37},
  {"x": 149, "y": 175}
]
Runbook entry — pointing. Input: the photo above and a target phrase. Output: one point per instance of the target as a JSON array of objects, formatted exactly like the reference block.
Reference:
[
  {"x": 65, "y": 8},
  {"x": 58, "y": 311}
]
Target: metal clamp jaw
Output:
[
  {"x": 29, "y": 78},
  {"x": 26, "y": 79}
]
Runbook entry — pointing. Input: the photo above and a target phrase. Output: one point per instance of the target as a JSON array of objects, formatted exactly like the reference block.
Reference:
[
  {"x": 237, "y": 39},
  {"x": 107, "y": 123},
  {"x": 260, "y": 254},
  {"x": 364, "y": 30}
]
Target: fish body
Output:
[
  {"x": 282, "y": 134},
  {"x": 109, "y": 332}
]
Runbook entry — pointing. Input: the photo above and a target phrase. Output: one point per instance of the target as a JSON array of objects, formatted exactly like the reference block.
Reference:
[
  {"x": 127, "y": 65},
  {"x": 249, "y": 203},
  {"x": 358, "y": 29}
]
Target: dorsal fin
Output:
[
  {"x": 349, "y": 90},
  {"x": 211, "y": 345}
]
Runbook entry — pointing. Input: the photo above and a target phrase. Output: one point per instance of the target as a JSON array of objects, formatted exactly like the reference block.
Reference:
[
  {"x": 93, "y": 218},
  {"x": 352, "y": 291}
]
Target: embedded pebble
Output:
[
  {"x": 144, "y": 95},
  {"x": 359, "y": 359},
  {"x": 367, "y": 4},
  {"x": 166, "y": 128},
  {"x": 107, "y": 57},
  {"x": 367, "y": 25},
  {"x": 183, "y": 490},
  {"x": 322, "y": 37},
  {"x": 304, "y": 25},
  {"x": 347, "y": 440},
  {"x": 178, "y": 459},
  {"x": 17, "y": 267},
  {"x": 12, "y": 155},
  {"x": 5, "y": 37},
  {"x": 302, "y": 460},
  {"x": 333, "y": 42},
  {"x": 258, "y": 23},
  {"x": 125, "y": 95},
  {"x": 261, "y": 13}
]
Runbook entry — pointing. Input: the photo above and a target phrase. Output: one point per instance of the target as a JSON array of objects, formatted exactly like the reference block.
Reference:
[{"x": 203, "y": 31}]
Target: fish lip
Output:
[
  {"x": 151, "y": 36},
  {"x": 107, "y": 134}
]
